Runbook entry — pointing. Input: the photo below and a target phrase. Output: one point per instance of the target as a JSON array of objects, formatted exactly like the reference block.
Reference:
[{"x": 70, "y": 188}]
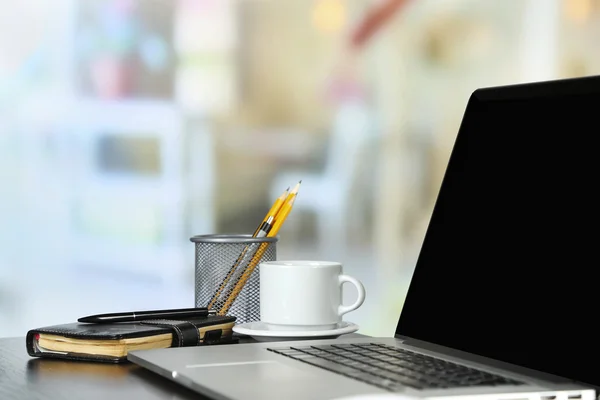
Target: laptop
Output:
[{"x": 503, "y": 297}]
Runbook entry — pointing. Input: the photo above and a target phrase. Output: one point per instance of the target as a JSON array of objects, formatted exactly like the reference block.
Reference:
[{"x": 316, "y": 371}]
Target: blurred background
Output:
[{"x": 128, "y": 126}]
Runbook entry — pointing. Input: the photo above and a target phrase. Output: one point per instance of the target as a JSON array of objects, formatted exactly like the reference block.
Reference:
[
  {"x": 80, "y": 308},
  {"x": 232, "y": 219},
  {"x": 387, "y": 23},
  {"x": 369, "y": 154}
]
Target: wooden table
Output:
[{"x": 27, "y": 378}]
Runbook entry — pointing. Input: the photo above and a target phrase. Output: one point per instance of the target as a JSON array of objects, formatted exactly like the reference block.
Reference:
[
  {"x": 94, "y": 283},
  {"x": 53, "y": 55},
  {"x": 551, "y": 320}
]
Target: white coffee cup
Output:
[{"x": 304, "y": 295}]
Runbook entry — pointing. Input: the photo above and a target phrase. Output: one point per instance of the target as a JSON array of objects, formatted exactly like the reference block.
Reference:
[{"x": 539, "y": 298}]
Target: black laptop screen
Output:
[{"x": 508, "y": 267}]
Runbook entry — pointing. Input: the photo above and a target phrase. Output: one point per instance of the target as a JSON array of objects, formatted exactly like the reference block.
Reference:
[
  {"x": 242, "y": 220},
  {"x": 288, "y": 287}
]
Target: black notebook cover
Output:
[{"x": 83, "y": 341}]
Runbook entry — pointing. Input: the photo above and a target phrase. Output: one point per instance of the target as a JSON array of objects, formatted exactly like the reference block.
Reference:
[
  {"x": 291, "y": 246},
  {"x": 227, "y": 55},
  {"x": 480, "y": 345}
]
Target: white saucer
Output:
[{"x": 264, "y": 333}]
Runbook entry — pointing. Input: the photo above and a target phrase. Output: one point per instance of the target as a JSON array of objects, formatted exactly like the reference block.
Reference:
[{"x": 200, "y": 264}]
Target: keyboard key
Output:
[
  {"x": 302, "y": 356},
  {"x": 343, "y": 346}
]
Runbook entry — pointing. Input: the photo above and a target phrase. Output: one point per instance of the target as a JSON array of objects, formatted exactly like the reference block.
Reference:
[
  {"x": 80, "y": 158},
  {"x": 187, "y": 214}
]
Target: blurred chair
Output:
[{"x": 329, "y": 193}]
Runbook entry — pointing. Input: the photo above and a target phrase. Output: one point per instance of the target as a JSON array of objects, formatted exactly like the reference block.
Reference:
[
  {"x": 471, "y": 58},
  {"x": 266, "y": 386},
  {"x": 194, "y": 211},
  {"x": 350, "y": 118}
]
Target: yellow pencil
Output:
[
  {"x": 273, "y": 211},
  {"x": 282, "y": 215},
  {"x": 284, "y": 211},
  {"x": 260, "y": 231}
]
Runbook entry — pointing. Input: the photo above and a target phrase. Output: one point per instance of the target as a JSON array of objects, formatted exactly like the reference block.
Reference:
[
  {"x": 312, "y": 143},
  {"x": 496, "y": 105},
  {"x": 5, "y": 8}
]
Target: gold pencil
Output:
[
  {"x": 282, "y": 215},
  {"x": 273, "y": 211}
]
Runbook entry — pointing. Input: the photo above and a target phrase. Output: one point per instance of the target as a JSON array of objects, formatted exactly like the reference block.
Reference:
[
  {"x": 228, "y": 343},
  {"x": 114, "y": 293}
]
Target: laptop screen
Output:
[{"x": 507, "y": 269}]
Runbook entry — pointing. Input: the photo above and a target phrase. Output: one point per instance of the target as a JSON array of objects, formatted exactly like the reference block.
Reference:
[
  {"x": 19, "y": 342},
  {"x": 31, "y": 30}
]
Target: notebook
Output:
[{"x": 112, "y": 342}]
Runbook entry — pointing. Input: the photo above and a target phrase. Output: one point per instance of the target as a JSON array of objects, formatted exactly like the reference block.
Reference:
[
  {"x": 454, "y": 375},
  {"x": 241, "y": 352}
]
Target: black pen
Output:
[{"x": 131, "y": 316}]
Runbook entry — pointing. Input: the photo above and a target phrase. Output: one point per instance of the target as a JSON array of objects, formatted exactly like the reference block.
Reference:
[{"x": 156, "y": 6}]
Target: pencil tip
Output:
[
  {"x": 300, "y": 181},
  {"x": 285, "y": 194},
  {"x": 296, "y": 188}
]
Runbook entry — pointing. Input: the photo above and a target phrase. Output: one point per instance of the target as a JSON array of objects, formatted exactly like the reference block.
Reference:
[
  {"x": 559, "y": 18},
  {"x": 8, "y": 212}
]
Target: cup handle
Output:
[{"x": 342, "y": 309}]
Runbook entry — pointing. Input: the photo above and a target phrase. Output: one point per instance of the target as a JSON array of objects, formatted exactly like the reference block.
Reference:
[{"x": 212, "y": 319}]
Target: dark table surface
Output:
[{"x": 24, "y": 377}]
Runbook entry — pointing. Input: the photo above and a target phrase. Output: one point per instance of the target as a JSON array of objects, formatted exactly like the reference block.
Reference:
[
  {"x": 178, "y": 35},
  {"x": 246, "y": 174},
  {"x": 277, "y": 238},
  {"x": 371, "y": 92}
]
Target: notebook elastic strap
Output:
[{"x": 185, "y": 333}]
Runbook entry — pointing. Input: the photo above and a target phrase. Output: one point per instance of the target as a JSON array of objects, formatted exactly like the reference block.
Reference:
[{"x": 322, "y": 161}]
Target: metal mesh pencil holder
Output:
[{"x": 215, "y": 257}]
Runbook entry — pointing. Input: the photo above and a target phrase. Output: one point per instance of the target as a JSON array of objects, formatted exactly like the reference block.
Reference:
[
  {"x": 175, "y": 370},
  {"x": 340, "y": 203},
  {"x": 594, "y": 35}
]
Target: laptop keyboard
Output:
[{"x": 391, "y": 368}]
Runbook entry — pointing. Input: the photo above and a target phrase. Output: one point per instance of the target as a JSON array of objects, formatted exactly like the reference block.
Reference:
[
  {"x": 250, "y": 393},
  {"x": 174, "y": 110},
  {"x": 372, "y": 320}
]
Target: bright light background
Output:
[{"x": 128, "y": 126}]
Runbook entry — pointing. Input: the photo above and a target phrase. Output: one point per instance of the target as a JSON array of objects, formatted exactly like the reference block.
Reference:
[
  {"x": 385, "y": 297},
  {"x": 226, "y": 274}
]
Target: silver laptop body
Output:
[
  {"x": 250, "y": 371},
  {"x": 502, "y": 285}
]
